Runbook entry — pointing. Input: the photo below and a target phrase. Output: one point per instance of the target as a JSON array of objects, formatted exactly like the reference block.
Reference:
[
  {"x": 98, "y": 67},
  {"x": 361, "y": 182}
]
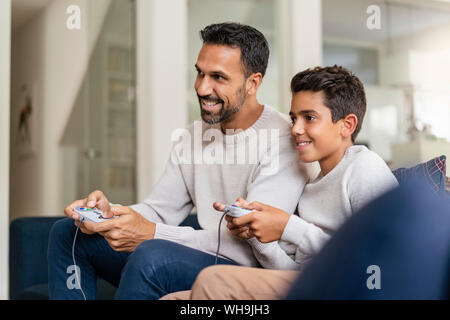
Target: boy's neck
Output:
[{"x": 329, "y": 163}]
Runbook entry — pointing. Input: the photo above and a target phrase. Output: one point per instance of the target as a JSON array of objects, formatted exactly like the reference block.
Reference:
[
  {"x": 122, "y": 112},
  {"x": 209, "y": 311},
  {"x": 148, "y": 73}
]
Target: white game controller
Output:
[
  {"x": 235, "y": 211},
  {"x": 91, "y": 214}
]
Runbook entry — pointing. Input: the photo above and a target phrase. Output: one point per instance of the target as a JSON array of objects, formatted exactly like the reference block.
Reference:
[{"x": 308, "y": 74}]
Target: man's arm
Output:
[{"x": 169, "y": 203}]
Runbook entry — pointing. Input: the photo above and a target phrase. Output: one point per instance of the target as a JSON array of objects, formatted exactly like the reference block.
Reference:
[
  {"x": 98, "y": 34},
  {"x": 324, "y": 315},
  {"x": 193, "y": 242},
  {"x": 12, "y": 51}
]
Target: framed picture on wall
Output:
[{"x": 25, "y": 121}]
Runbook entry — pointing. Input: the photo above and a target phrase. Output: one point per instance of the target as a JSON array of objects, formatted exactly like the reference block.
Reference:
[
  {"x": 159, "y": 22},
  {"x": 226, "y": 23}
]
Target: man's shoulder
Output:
[{"x": 275, "y": 120}]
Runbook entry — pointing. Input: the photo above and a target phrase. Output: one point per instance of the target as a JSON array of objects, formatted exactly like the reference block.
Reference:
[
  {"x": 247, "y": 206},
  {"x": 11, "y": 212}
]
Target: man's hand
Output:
[
  {"x": 265, "y": 222},
  {"x": 126, "y": 232},
  {"x": 95, "y": 199}
]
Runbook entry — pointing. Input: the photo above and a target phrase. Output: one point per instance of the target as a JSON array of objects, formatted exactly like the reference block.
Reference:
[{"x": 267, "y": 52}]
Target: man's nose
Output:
[{"x": 203, "y": 87}]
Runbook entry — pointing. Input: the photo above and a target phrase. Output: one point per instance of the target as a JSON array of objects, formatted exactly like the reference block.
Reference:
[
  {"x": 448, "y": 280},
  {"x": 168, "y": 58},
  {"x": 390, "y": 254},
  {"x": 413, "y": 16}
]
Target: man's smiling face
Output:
[{"x": 220, "y": 82}]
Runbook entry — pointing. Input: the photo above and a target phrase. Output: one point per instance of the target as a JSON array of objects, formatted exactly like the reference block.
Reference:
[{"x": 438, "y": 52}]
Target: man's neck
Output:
[{"x": 244, "y": 118}]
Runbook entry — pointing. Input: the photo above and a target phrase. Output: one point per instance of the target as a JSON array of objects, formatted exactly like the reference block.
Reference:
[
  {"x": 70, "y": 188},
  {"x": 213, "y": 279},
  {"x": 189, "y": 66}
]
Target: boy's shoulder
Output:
[
  {"x": 366, "y": 165},
  {"x": 361, "y": 157}
]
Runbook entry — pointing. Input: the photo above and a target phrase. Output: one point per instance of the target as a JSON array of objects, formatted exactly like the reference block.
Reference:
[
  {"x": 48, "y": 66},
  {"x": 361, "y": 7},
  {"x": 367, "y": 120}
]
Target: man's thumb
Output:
[{"x": 256, "y": 206}]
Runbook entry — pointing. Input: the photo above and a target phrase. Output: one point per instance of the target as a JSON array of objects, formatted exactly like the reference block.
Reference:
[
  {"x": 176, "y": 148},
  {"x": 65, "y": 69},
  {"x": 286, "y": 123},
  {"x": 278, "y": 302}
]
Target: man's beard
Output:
[{"x": 223, "y": 114}]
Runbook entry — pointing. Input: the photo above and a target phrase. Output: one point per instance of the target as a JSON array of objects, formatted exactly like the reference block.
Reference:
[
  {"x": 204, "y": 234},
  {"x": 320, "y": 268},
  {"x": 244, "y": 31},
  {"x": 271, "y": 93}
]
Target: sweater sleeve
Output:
[
  {"x": 308, "y": 237},
  {"x": 272, "y": 256}
]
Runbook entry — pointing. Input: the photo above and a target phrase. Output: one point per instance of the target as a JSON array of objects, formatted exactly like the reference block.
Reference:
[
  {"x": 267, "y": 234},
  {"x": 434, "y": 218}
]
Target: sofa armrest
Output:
[{"x": 28, "y": 254}]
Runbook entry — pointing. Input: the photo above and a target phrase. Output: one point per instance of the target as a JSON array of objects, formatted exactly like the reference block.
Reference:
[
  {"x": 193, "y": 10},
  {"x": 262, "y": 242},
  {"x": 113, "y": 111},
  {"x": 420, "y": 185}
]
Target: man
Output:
[{"x": 144, "y": 252}]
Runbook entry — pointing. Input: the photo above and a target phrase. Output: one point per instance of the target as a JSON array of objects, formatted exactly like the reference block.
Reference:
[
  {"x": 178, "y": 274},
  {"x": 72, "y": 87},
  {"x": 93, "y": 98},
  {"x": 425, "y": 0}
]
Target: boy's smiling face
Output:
[{"x": 316, "y": 136}]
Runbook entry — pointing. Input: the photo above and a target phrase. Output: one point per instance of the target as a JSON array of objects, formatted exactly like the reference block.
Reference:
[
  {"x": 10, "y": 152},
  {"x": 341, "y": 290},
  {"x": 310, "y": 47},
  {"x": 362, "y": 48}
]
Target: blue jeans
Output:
[
  {"x": 154, "y": 269},
  {"x": 397, "y": 247}
]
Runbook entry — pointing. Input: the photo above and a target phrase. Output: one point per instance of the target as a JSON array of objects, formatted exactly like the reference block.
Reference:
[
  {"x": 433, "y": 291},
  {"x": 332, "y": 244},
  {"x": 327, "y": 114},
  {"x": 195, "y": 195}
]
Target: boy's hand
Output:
[
  {"x": 266, "y": 223},
  {"x": 239, "y": 202},
  {"x": 244, "y": 229}
]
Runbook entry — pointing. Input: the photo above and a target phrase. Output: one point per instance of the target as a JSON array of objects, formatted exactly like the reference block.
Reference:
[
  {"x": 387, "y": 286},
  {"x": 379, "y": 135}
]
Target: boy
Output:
[{"x": 327, "y": 110}]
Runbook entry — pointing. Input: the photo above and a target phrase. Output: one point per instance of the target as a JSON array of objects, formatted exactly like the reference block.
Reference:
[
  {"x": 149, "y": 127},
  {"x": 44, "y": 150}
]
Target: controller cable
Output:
[
  {"x": 77, "y": 277},
  {"x": 218, "y": 237}
]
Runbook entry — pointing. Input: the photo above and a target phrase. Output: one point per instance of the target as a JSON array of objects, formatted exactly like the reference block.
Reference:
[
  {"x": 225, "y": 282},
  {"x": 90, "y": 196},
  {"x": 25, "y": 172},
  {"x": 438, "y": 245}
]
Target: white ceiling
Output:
[
  {"x": 342, "y": 19},
  {"x": 346, "y": 19},
  {"x": 24, "y": 10}
]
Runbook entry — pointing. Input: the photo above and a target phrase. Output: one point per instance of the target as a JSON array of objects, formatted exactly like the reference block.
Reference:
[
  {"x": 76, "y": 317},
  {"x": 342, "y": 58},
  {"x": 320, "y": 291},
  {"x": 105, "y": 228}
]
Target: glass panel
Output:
[
  {"x": 105, "y": 110},
  {"x": 400, "y": 52},
  {"x": 116, "y": 164}
]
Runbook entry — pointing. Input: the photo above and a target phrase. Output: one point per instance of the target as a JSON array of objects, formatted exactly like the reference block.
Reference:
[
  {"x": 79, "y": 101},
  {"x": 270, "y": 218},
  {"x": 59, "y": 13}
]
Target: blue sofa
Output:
[{"x": 28, "y": 258}]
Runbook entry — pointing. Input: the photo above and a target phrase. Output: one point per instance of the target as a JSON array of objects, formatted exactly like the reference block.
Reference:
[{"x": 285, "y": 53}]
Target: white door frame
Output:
[{"x": 5, "y": 67}]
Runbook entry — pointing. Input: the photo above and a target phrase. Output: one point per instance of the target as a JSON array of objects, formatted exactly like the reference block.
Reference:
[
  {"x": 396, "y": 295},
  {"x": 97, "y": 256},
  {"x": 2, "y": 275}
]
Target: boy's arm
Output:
[
  {"x": 366, "y": 179},
  {"x": 282, "y": 191},
  {"x": 266, "y": 225},
  {"x": 307, "y": 237},
  {"x": 271, "y": 256}
]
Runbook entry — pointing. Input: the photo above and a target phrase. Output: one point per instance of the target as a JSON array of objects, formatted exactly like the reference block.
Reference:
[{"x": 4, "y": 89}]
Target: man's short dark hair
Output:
[
  {"x": 253, "y": 44},
  {"x": 343, "y": 91}
]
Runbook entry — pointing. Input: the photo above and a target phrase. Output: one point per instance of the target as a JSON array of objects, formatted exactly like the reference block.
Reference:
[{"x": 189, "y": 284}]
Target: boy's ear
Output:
[
  {"x": 253, "y": 83},
  {"x": 349, "y": 124}
]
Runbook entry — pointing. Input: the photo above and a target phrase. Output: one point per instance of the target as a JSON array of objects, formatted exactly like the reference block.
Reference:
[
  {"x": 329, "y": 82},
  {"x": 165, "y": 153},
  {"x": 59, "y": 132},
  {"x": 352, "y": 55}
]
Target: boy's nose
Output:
[{"x": 297, "y": 129}]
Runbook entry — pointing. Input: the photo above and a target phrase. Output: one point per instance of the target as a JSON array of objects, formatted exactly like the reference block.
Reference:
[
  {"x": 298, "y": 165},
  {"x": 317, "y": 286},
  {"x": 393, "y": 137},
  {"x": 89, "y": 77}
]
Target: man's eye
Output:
[
  {"x": 310, "y": 118},
  {"x": 293, "y": 121},
  {"x": 219, "y": 77}
]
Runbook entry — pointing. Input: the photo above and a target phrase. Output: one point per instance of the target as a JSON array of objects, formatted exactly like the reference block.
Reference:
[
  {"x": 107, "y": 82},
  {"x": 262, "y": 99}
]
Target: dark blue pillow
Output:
[{"x": 433, "y": 171}]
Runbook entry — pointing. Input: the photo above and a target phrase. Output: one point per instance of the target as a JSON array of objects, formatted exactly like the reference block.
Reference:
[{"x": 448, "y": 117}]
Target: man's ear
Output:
[
  {"x": 253, "y": 82},
  {"x": 349, "y": 124}
]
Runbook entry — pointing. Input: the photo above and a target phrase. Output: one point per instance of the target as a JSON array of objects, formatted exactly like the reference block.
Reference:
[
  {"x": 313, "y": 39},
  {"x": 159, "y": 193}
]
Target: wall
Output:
[
  {"x": 5, "y": 42},
  {"x": 161, "y": 85},
  {"x": 47, "y": 54}
]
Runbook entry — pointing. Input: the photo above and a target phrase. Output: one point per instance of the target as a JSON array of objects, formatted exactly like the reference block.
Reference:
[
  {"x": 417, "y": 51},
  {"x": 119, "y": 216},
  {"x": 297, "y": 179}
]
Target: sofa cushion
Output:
[{"x": 432, "y": 171}]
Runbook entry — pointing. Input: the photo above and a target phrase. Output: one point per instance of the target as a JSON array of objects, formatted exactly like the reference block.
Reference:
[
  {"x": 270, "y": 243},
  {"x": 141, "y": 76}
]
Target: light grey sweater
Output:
[
  {"x": 195, "y": 176},
  {"x": 326, "y": 202}
]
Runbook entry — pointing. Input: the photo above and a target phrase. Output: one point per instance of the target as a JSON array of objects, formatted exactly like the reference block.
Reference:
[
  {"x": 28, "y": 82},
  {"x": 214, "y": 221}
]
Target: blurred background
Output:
[{"x": 97, "y": 87}]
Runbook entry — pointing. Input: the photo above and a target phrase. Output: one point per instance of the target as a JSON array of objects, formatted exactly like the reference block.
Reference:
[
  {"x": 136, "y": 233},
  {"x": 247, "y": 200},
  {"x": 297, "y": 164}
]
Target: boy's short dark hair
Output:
[
  {"x": 253, "y": 44},
  {"x": 343, "y": 91}
]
